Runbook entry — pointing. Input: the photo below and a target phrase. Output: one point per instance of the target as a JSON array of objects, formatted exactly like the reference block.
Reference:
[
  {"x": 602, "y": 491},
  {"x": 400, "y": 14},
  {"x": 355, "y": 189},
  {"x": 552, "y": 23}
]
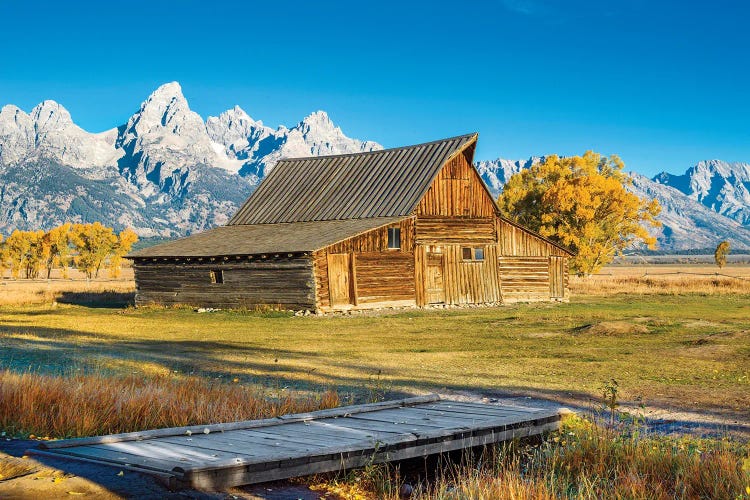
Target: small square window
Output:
[
  {"x": 466, "y": 253},
  {"x": 394, "y": 238},
  {"x": 217, "y": 276},
  {"x": 479, "y": 254}
]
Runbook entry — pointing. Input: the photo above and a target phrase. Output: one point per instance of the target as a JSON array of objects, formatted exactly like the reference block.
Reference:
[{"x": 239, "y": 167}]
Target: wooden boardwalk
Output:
[{"x": 224, "y": 455}]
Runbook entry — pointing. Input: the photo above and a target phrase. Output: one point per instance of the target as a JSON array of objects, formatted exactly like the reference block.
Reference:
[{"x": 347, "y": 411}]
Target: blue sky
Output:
[{"x": 662, "y": 84}]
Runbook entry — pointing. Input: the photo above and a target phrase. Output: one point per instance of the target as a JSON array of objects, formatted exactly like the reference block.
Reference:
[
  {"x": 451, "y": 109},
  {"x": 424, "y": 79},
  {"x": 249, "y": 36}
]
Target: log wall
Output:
[
  {"x": 379, "y": 275},
  {"x": 285, "y": 282},
  {"x": 524, "y": 278},
  {"x": 438, "y": 230}
]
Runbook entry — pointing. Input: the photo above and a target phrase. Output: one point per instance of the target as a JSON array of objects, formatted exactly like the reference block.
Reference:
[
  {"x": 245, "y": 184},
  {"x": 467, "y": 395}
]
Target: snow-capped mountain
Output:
[
  {"x": 686, "y": 223},
  {"x": 165, "y": 172},
  {"x": 497, "y": 172},
  {"x": 721, "y": 186}
]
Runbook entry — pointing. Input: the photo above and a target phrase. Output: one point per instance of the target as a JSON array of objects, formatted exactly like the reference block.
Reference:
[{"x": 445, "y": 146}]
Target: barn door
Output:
[
  {"x": 557, "y": 277},
  {"x": 434, "y": 286},
  {"x": 340, "y": 279}
]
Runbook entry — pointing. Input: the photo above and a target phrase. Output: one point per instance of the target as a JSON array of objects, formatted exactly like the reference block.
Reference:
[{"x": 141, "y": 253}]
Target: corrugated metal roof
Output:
[
  {"x": 264, "y": 238},
  {"x": 385, "y": 183}
]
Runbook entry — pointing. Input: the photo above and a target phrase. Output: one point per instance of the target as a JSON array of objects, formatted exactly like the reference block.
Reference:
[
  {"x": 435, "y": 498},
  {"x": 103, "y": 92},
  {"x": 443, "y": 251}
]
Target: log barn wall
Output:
[
  {"x": 286, "y": 282},
  {"x": 379, "y": 274}
]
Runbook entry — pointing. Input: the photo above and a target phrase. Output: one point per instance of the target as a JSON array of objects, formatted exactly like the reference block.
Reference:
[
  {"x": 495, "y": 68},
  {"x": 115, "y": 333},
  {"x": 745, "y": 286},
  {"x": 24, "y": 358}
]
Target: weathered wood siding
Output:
[
  {"x": 285, "y": 281},
  {"x": 438, "y": 230},
  {"x": 384, "y": 277},
  {"x": 377, "y": 240},
  {"x": 378, "y": 275},
  {"x": 457, "y": 191},
  {"x": 515, "y": 241},
  {"x": 465, "y": 281},
  {"x": 529, "y": 279}
]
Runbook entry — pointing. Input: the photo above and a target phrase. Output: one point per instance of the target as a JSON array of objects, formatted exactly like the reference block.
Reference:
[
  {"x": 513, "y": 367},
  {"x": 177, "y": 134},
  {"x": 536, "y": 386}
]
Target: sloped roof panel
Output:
[{"x": 387, "y": 183}]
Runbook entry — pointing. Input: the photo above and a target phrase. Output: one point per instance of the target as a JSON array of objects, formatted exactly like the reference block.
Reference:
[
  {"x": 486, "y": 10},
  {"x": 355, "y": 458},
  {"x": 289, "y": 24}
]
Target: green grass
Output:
[{"x": 686, "y": 351}]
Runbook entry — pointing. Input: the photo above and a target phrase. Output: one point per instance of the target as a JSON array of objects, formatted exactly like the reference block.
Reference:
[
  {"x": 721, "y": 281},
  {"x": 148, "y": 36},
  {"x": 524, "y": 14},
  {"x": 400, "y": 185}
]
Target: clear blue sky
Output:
[{"x": 662, "y": 84}]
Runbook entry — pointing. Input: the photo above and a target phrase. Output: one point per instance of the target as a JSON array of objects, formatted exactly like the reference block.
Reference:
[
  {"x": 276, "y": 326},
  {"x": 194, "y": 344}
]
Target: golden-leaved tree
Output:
[
  {"x": 56, "y": 248},
  {"x": 25, "y": 253},
  {"x": 125, "y": 241},
  {"x": 93, "y": 243},
  {"x": 3, "y": 257},
  {"x": 581, "y": 202}
]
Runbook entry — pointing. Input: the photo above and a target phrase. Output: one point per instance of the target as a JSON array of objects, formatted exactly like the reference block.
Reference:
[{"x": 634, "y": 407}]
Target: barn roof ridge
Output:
[{"x": 378, "y": 151}]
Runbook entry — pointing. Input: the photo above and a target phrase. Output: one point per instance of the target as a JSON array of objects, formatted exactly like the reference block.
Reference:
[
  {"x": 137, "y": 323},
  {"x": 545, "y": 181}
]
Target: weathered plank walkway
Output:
[{"x": 224, "y": 455}]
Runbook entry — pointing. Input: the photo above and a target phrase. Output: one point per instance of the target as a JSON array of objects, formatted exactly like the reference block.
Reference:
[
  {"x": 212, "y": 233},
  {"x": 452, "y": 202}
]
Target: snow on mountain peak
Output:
[
  {"x": 50, "y": 114},
  {"x": 719, "y": 185}
]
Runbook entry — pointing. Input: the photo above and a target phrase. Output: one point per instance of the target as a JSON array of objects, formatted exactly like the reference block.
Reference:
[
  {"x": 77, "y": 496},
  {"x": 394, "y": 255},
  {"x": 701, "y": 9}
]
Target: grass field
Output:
[{"x": 688, "y": 350}]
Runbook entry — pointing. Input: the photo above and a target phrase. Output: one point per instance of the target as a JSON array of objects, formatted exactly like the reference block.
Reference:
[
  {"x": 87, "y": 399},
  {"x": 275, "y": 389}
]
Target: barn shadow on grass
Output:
[
  {"x": 64, "y": 351},
  {"x": 106, "y": 299}
]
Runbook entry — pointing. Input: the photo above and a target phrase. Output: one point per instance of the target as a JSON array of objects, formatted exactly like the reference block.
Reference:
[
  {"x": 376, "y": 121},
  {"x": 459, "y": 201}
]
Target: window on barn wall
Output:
[
  {"x": 394, "y": 238},
  {"x": 472, "y": 254},
  {"x": 217, "y": 276}
]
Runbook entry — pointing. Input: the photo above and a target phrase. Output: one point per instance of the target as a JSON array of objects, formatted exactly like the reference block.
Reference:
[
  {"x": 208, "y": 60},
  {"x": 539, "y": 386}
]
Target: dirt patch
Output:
[
  {"x": 608, "y": 328},
  {"x": 542, "y": 335},
  {"x": 701, "y": 323}
]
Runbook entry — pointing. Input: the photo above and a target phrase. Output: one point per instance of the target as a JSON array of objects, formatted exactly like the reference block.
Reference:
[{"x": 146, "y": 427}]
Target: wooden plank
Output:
[
  {"x": 119, "y": 457},
  {"x": 299, "y": 446},
  {"x": 244, "y": 475}
]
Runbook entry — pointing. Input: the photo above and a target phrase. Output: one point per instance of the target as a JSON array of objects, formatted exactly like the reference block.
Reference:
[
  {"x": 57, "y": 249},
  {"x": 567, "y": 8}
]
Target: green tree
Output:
[
  {"x": 581, "y": 202},
  {"x": 720, "y": 255}
]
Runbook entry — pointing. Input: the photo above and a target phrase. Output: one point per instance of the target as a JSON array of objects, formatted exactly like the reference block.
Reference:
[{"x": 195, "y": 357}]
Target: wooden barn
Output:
[{"x": 400, "y": 227}]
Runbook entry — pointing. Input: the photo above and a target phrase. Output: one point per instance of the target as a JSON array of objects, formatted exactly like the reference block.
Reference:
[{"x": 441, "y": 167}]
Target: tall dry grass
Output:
[
  {"x": 582, "y": 461},
  {"x": 87, "y": 405},
  {"x": 27, "y": 292},
  {"x": 667, "y": 280}
]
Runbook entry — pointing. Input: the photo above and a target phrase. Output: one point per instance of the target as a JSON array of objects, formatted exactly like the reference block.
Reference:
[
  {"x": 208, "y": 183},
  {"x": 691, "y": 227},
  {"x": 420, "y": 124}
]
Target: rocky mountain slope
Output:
[
  {"x": 721, "y": 186},
  {"x": 165, "y": 172}
]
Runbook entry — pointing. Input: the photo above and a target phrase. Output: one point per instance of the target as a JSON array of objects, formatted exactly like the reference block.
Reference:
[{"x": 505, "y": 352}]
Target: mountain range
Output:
[{"x": 166, "y": 172}]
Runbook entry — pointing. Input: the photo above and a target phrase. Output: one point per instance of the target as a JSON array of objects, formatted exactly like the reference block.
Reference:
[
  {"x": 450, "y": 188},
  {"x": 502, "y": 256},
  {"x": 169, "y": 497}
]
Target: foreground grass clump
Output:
[
  {"x": 87, "y": 405},
  {"x": 582, "y": 461}
]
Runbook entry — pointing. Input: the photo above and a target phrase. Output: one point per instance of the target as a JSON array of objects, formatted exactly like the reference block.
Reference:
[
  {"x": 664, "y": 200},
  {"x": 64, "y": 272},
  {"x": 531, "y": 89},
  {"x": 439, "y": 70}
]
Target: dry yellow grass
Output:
[
  {"x": 582, "y": 461},
  {"x": 664, "y": 279},
  {"x": 87, "y": 405},
  {"x": 75, "y": 288}
]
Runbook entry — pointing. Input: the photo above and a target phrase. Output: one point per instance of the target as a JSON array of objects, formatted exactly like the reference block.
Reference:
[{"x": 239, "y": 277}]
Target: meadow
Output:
[{"x": 673, "y": 342}]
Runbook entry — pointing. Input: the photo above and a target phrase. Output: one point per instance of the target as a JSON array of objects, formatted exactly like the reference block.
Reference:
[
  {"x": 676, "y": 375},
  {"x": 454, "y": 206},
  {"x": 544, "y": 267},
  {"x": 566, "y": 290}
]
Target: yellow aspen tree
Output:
[
  {"x": 3, "y": 257},
  {"x": 56, "y": 244},
  {"x": 581, "y": 202},
  {"x": 125, "y": 241},
  {"x": 720, "y": 255},
  {"x": 93, "y": 243}
]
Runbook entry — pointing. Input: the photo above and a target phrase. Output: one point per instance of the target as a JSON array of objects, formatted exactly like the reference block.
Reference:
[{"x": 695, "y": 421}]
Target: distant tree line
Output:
[{"x": 88, "y": 247}]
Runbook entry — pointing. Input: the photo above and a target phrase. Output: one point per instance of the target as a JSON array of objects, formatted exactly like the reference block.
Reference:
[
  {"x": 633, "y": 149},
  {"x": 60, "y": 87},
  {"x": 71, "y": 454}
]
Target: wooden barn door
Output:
[
  {"x": 434, "y": 283},
  {"x": 340, "y": 279},
  {"x": 557, "y": 277}
]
